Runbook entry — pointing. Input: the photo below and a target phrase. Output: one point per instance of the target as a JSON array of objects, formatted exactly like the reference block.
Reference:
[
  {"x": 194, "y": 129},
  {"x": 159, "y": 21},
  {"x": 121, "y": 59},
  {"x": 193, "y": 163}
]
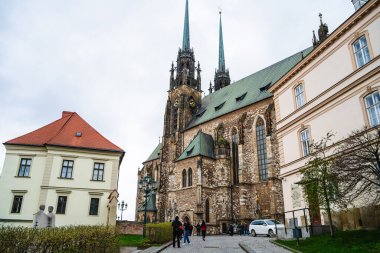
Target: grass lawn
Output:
[
  {"x": 132, "y": 241},
  {"x": 362, "y": 241}
]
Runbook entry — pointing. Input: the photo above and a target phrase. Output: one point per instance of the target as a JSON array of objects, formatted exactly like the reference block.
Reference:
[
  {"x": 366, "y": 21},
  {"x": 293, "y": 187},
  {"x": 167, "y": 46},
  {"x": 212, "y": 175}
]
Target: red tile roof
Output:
[{"x": 69, "y": 131}]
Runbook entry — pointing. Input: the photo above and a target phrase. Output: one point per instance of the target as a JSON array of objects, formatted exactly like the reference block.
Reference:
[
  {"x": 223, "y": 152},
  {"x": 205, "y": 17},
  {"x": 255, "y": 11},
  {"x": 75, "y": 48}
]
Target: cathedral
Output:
[{"x": 218, "y": 159}]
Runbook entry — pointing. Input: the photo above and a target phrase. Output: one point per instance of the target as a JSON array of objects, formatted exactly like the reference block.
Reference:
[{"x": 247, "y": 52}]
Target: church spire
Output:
[
  {"x": 186, "y": 30},
  {"x": 222, "y": 75},
  {"x": 222, "y": 65}
]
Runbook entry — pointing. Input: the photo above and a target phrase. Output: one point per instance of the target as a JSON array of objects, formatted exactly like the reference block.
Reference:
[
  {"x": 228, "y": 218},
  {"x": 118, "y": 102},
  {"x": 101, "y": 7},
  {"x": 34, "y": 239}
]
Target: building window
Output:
[
  {"x": 305, "y": 142},
  {"x": 190, "y": 177},
  {"x": 98, "y": 172},
  {"x": 261, "y": 149},
  {"x": 300, "y": 95},
  {"x": 175, "y": 119},
  {"x": 207, "y": 210},
  {"x": 16, "y": 206},
  {"x": 67, "y": 169},
  {"x": 24, "y": 167},
  {"x": 61, "y": 205},
  {"x": 235, "y": 156},
  {"x": 372, "y": 104},
  {"x": 361, "y": 51},
  {"x": 184, "y": 178},
  {"x": 94, "y": 206}
]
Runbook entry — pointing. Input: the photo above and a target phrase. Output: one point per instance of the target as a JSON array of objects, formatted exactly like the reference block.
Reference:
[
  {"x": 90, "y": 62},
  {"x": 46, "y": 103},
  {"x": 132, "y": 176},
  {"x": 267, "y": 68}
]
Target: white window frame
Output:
[
  {"x": 299, "y": 92},
  {"x": 305, "y": 142},
  {"x": 373, "y": 110},
  {"x": 363, "y": 53}
]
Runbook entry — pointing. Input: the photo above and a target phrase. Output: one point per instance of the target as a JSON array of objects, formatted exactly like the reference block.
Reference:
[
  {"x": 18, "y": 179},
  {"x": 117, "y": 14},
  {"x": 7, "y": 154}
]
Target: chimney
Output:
[{"x": 66, "y": 113}]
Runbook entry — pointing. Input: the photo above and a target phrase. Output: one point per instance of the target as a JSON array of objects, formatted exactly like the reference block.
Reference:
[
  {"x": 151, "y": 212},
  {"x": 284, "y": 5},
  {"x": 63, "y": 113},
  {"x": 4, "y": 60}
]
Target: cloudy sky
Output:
[{"x": 109, "y": 60}]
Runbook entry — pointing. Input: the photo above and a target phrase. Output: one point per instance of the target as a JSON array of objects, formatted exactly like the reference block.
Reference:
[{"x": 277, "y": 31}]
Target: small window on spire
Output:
[{"x": 217, "y": 108}]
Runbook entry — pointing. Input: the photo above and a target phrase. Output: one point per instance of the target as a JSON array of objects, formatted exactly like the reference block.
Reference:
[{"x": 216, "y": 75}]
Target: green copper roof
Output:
[
  {"x": 155, "y": 154},
  {"x": 246, "y": 91},
  {"x": 186, "y": 30},
  {"x": 203, "y": 145},
  {"x": 222, "y": 64}
]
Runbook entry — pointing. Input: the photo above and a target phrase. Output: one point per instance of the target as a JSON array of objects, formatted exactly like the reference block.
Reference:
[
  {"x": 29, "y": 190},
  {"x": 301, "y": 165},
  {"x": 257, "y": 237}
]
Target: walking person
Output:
[
  {"x": 176, "y": 224},
  {"x": 231, "y": 230},
  {"x": 198, "y": 227},
  {"x": 187, "y": 227},
  {"x": 203, "y": 229}
]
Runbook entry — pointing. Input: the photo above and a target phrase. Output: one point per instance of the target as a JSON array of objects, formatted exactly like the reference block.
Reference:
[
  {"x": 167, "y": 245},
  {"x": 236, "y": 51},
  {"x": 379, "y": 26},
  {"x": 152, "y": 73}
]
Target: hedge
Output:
[
  {"x": 159, "y": 232},
  {"x": 94, "y": 239}
]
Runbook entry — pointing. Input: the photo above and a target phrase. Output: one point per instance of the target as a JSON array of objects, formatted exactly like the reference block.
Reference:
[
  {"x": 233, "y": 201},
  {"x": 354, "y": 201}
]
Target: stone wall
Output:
[
  {"x": 357, "y": 218},
  {"x": 129, "y": 227}
]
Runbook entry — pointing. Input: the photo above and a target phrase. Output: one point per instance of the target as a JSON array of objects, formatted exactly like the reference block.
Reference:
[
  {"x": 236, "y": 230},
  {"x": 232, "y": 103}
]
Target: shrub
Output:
[
  {"x": 94, "y": 239},
  {"x": 159, "y": 232}
]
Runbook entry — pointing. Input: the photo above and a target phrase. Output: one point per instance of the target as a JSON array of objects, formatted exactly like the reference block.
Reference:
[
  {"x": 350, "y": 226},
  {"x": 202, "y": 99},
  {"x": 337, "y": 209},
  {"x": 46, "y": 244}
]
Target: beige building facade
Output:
[
  {"x": 328, "y": 91},
  {"x": 66, "y": 165}
]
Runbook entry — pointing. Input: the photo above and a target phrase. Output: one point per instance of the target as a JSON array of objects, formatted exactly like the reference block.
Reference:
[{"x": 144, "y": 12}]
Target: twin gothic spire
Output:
[{"x": 186, "y": 61}]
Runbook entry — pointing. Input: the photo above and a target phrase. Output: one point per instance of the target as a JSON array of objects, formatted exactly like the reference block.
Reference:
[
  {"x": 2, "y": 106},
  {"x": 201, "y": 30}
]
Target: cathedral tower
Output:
[
  {"x": 222, "y": 75},
  {"x": 184, "y": 100}
]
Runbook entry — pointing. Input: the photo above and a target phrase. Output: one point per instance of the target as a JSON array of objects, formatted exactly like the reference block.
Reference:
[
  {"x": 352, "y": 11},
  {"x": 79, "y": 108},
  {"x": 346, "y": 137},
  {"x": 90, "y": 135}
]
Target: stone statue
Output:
[
  {"x": 40, "y": 219},
  {"x": 51, "y": 217}
]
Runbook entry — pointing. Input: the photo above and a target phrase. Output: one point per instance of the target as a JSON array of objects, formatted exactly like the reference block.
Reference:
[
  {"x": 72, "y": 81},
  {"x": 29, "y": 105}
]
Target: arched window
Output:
[
  {"x": 190, "y": 177},
  {"x": 175, "y": 119},
  {"x": 235, "y": 156},
  {"x": 372, "y": 104},
  {"x": 207, "y": 211},
  {"x": 261, "y": 149},
  {"x": 184, "y": 177}
]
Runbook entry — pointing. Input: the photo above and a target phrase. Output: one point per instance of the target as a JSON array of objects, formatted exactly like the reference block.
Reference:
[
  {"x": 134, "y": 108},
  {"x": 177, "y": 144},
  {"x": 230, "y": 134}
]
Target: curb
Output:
[
  {"x": 161, "y": 248},
  {"x": 246, "y": 248},
  {"x": 285, "y": 247}
]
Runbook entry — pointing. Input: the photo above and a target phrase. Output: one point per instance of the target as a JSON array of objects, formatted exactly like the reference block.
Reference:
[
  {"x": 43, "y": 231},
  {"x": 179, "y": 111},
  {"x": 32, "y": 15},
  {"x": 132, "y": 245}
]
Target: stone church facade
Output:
[{"x": 218, "y": 157}]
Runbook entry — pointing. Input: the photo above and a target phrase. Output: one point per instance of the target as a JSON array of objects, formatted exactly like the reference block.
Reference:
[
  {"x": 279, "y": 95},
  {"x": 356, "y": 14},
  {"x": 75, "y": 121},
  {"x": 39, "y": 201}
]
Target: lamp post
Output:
[
  {"x": 147, "y": 185},
  {"x": 122, "y": 208}
]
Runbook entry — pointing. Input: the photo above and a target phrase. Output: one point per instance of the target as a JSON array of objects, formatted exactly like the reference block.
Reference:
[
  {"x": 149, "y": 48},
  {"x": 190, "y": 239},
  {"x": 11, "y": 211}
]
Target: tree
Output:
[
  {"x": 319, "y": 181},
  {"x": 357, "y": 166}
]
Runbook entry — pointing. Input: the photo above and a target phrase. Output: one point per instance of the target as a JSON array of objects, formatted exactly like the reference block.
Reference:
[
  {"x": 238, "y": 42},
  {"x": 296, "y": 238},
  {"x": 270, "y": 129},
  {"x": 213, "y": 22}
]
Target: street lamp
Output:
[
  {"x": 122, "y": 208},
  {"x": 147, "y": 185}
]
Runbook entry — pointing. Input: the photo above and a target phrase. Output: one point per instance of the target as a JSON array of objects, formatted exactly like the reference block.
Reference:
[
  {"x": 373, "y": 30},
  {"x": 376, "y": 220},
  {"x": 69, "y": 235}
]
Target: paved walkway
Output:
[{"x": 227, "y": 244}]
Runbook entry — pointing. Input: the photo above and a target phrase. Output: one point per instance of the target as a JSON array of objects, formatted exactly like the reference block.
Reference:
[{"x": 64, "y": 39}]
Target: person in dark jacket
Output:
[
  {"x": 198, "y": 226},
  {"x": 231, "y": 230},
  {"x": 203, "y": 229},
  {"x": 188, "y": 229},
  {"x": 176, "y": 224}
]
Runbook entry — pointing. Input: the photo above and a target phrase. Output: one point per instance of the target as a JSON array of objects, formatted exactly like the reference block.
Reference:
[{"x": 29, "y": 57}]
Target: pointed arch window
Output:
[
  {"x": 184, "y": 178},
  {"x": 235, "y": 156},
  {"x": 207, "y": 211},
  {"x": 261, "y": 149},
  {"x": 190, "y": 177},
  {"x": 175, "y": 119}
]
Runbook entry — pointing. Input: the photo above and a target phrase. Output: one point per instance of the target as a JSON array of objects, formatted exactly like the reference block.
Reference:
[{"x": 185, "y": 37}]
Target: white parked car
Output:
[{"x": 264, "y": 227}]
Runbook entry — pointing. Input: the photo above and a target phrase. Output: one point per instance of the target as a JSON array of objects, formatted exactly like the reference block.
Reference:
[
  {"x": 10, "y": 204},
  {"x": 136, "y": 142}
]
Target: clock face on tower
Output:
[
  {"x": 192, "y": 103},
  {"x": 176, "y": 103}
]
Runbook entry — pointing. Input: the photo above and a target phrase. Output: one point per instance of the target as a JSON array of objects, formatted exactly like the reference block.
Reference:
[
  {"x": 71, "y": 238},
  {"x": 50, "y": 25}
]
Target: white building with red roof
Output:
[{"x": 66, "y": 164}]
